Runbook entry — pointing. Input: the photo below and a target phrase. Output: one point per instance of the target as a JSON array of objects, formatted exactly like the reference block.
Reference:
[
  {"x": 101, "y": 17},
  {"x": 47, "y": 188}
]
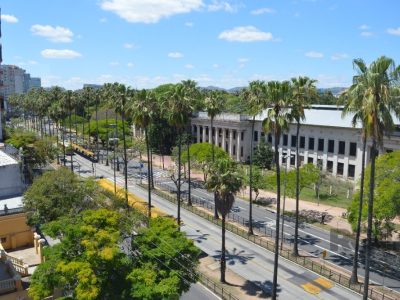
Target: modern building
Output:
[
  {"x": 34, "y": 83},
  {"x": 325, "y": 139}
]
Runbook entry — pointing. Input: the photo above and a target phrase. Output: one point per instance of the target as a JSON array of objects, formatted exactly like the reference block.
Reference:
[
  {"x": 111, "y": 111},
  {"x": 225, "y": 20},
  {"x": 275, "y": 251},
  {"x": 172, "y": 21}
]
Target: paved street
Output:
[{"x": 245, "y": 258}]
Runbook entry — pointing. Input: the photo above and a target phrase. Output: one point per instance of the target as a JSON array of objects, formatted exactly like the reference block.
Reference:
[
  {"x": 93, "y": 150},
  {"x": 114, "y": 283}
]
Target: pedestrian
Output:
[
  {"x": 322, "y": 218},
  {"x": 5, "y": 209}
]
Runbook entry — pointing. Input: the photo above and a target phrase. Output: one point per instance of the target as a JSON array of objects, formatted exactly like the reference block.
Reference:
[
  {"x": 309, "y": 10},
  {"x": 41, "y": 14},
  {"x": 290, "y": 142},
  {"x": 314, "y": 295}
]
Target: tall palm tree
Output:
[
  {"x": 55, "y": 113},
  {"x": 224, "y": 180},
  {"x": 278, "y": 98},
  {"x": 374, "y": 85},
  {"x": 303, "y": 91},
  {"x": 143, "y": 109},
  {"x": 215, "y": 103},
  {"x": 254, "y": 97},
  {"x": 69, "y": 97},
  {"x": 177, "y": 104}
]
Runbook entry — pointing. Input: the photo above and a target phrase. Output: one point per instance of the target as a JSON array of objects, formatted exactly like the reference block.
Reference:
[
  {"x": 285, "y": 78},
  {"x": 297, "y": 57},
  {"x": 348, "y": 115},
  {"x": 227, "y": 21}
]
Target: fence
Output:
[
  {"x": 322, "y": 269},
  {"x": 216, "y": 287}
]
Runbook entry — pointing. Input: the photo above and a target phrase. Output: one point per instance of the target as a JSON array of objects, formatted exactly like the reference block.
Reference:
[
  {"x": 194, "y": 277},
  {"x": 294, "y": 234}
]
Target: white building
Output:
[
  {"x": 325, "y": 137},
  {"x": 10, "y": 176}
]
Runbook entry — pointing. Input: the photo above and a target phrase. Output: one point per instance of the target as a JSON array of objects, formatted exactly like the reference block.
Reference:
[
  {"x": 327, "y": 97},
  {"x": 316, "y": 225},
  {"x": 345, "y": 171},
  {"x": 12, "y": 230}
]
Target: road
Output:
[{"x": 250, "y": 261}]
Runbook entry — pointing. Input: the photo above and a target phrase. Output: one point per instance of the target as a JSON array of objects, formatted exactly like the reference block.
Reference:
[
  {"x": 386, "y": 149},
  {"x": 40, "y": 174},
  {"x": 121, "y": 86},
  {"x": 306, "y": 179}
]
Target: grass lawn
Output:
[{"x": 338, "y": 200}]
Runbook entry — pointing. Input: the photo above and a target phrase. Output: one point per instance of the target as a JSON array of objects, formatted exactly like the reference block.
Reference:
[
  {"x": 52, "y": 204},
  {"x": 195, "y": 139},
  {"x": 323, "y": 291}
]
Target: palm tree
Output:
[
  {"x": 278, "y": 95},
  {"x": 303, "y": 91},
  {"x": 374, "y": 85},
  {"x": 143, "y": 109},
  {"x": 254, "y": 97},
  {"x": 68, "y": 100},
  {"x": 55, "y": 112},
  {"x": 225, "y": 181},
  {"x": 215, "y": 103},
  {"x": 178, "y": 107}
]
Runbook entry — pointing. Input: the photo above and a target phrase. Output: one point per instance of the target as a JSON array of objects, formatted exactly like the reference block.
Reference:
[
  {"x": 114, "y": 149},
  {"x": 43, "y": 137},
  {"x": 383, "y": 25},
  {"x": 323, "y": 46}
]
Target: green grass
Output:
[{"x": 338, "y": 200}]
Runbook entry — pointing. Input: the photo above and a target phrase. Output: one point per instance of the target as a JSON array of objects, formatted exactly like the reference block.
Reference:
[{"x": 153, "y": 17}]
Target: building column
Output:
[
  {"x": 238, "y": 135},
  {"x": 204, "y": 134},
  {"x": 198, "y": 134},
  {"x": 223, "y": 139},
  {"x": 216, "y": 138},
  {"x": 230, "y": 142}
]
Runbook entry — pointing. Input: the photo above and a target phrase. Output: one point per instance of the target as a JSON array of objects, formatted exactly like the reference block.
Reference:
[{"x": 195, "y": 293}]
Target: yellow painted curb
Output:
[
  {"x": 310, "y": 288},
  {"x": 324, "y": 283}
]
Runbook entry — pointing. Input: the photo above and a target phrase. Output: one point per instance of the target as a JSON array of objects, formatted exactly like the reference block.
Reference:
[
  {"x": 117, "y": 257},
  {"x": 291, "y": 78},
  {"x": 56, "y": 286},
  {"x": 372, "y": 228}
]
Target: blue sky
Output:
[{"x": 144, "y": 43}]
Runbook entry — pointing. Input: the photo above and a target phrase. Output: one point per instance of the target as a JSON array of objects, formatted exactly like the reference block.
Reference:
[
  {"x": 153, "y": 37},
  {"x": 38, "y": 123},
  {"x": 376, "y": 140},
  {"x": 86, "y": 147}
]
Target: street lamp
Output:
[{"x": 284, "y": 158}]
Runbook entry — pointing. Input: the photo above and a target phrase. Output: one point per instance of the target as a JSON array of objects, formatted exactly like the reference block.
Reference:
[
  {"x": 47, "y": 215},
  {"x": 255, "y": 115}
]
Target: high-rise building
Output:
[{"x": 34, "y": 83}]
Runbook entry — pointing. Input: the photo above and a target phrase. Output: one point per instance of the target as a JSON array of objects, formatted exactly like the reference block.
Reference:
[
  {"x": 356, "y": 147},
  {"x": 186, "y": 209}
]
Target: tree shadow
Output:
[
  {"x": 259, "y": 289},
  {"x": 234, "y": 257},
  {"x": 308, "y": 240}
]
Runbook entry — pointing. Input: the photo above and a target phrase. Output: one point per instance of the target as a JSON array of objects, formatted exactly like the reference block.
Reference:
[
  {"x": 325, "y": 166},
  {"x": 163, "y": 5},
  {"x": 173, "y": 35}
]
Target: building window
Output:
[
  {"x": 234, "y": 135},
  {"x": 353, "y": 149},
  {"x": 292, "y": 160},
  {"x": 331, "y": 146},
  {"x": 201, "y": 130},
  {"x": 219, "y": 132},
  {"x": 234, "y": 150},
  {"x": 255, "y": 135},
  {"x": 351, "y": 171},
  {"x": 310, "y": 143},
  {"x": 310, "y": 160},
  {"x": 226, "y": 146},
  {"x": 213, "y": 131},
  {"x": 241, "y": 151},
  {"x": 302, "y": 142},
  {"x": 269, "y": 138},
  {"x": 329, "y": 166},
  {"x": 340, "y": 167},
  {"x": 321, "y": 145},
  {"x": 242, "y": 136},
  {"x": 194, "y": 128},
  {"x": 227, "y": 134},
  {"x": 206, "y": 130},
  {"x": 293, "y": 141},
  {"x": 219, "y": 144},
  {"x": 285, "y": 140},
  {"x": 342, "y": 147}
]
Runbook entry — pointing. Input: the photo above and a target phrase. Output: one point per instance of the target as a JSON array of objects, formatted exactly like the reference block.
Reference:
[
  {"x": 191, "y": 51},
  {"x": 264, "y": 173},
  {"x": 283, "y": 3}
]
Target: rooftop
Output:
[{"x": 6, "y": 160}]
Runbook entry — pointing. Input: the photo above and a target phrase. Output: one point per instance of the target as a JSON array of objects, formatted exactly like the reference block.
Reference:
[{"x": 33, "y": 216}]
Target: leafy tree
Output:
[
  {"x": 56, "y": 194},
  {"x": 263, "y": 155},
  {"x": 165, "y": 264},
  {"x": 258, "y": 182},
  {"x": 386, "y": 195}
]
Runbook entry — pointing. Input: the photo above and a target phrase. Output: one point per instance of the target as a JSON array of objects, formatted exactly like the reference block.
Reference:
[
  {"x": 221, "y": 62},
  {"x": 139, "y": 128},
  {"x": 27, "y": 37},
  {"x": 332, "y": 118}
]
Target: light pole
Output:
[
  {"x": 285, "y": 157},
  {"x": 115, "y": 177}
]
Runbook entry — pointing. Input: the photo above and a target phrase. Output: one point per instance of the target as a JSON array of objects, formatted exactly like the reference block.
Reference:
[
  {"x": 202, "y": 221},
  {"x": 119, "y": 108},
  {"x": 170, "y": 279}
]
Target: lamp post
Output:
[
  {"x": 285, "y": 157},
  {"x": 107, "y": 138},
  {"x": 115, "y": 177}
]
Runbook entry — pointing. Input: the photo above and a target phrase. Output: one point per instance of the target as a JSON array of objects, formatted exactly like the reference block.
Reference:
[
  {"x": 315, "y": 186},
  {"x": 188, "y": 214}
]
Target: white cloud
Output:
[
  {"x": 393, "y": 31},
  {"x": 189, "y": 66},
  {"x": 243, "y": 60},
  {"x": 149, "y": 11},
  {"x": 367, "y": 33},
  {"x": 245, "y": 34},
  {"x": 314, "y": 54},
  {"x": 189, "y": 24},
  {"x": 9, "y": 18},
  {"x": 364, "y": 27},
  {"x": 54, "y": 34},
  {"x": 175, "y": 55},
  {"x": 65, "y": 53},
  {"x": 217, "y": 5},
  {"x": 130, "y": 65},
  {"x": 339, "y": 56},
  {"x": 114, "y": 64},
  {"x": 264, "y": 10},
  {"x": 128, "y": 46}
]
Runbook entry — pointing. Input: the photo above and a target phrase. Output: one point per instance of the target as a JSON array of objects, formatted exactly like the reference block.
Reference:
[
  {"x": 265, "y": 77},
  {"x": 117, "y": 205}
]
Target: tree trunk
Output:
[
  {"x": 63, "y": 138},
  {"x": 370, "y": 213},
  {"x": 48, "y": 122},
  {"x": 83, "y": 125},
  {"x": 125, "y": 157},
  {"x": 58, "y": 145},
  {"x": 151, "y": 169},
  {"x": 189, "y": 180},
  {"x": 250, "y": 232},
  {"x": 97, "y": 129},
  {"x": 278, "y": 214},
  {"x": 223, "y": 259},
  {"x": 148, "y": 173},
  {"x": 116, "y": 121},
  {"x": 179, "y": 179},
  {"x": 296, "y": 226},
  {"x": 213, "y": 160},
  {"x": 76, "y": 129},
  {"x": 107, "y": 144},
  {"x": 354, "y": 273},
  {"x": 70, "y": 137}
]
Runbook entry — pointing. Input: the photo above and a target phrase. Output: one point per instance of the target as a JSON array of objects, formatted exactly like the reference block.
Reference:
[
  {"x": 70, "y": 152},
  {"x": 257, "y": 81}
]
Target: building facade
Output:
[{"x": 326, "y": 139}]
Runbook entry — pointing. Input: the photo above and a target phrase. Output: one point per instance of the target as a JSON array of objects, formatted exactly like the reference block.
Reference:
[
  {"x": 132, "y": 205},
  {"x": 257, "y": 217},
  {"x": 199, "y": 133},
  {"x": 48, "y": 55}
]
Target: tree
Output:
[
  {"x": 58, "y": 193},
  {"x": 214, "y": 102},
  {"x": 166, "y": 261},
  {"x": 376, "y": 85},
  {"x": 303, "y": 92},
  {"x": 278, "y": 95},
  {"x": 386, "y": 196},
  {"x": 258, "y": 182},
  {"x": 225, "y": 181},
  {"x": 263, "y": 155},
  {"x": 254, "y": 97}
]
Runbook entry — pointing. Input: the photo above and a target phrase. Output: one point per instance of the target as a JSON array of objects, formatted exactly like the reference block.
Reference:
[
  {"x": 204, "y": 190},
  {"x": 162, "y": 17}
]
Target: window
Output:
[
  {"x": 302, "y": 142},
  {"x": 206, "y": 130},
  {"x": 3, "y": 240},
  {"x": 213, "y": 131},
  {"x": 329, "y": 166},
  {"x": 269, "y": 138},
  {"x": 234, "y": 150},
  {"x": 234, "y": 135},
  {"x": 340, "y": 167},
  {"x": 227, "y": 134},
  {"x": 351, "y": 171},
  {"x": 219, "y": 144},
  {"x": 310, "y": 160},
  {"x": 194, "y": 128},
  {"x": 292, "y": 160},
  {"x": 353, "y": 149},
  {"x": 310, "y": 143},
  {"x": 219, "y": 132},
  {"x": 201, "y": 130},
  {"x": 285, "y": 140},
  {"x": 242, "y": 136},
  {"x": 255, "y": 135},
  {"x": 293, "y": 141},
  {"x": 321, "y": 145},
  {"x": 342, "y": 147},
  {"x": 226, "y": 146},
  {"x": 241, "y": 151},
  {"x": 331, "y": 146}
]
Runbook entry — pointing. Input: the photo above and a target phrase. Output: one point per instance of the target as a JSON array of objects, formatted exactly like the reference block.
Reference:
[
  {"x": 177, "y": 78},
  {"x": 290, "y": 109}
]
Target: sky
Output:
[{"x": 225, "y": 43}]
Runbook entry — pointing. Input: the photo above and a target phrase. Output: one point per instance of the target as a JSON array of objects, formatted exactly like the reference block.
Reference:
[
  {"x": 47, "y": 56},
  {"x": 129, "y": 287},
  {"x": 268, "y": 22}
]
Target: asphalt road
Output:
[{"x": 253, "y": 263}]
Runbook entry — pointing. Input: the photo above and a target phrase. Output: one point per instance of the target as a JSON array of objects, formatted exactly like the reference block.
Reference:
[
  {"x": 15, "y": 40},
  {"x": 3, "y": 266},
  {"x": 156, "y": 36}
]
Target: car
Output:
[{"x": 235, "y": 209}]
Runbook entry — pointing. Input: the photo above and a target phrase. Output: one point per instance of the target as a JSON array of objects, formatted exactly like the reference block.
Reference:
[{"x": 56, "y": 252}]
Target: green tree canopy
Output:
[{"x": 263, "y": 155}]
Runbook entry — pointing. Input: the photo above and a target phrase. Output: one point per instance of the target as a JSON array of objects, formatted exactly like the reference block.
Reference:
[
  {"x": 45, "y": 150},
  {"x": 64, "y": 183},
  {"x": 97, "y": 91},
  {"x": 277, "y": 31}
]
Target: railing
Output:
[
  {"x": 18, "y": 265},
  {"x": 7, "y": 285},
  {"x": 324, "y": 269},
  {"x": 11, "y": 211},
  {"x": 216, "y": 287}
]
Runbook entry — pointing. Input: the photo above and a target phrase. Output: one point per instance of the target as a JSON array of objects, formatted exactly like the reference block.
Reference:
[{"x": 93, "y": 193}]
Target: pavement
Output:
[{"x": 243, "y": 257}]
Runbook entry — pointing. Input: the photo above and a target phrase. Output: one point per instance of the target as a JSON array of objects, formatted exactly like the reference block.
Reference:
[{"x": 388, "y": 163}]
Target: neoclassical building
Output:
[{"x": 325, "y": 138}]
